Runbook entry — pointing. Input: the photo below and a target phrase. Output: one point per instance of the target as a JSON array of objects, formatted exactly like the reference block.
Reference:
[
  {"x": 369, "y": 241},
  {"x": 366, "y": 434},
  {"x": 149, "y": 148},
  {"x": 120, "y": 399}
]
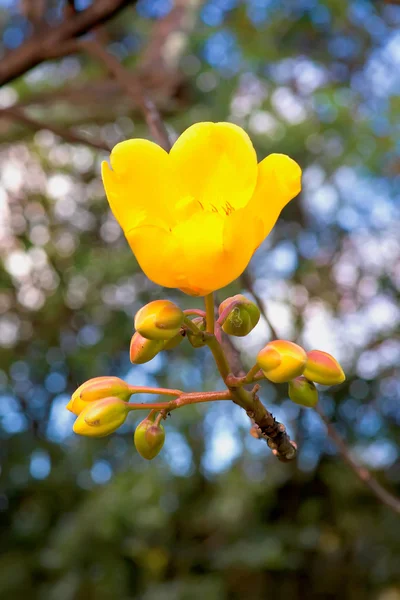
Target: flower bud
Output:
[
  {"x": 142, "y": 350},
  {"x": 322, "y": 368},
  {"x": 304, "y": 392},
  {"x": 96, "y": 389},
  {"x": 281, "y": 361},
  {"x": 149, "y": 438},
  {"x": 173, "y": 342},
  {"x": 101, "y": 418},
  {"x": 194, "y": 339},
  {"x": 243, "y": 317},
  {"x": 159, "y": 320}
]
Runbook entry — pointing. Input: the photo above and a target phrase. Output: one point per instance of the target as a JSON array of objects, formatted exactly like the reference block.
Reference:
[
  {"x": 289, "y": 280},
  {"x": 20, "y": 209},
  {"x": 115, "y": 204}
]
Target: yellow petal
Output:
[
  {"x": 216, "y": 166},
  {"x": 158, "y": 254},
  {"x": 212, "y": 256},
  {"x": 139, "y": 186},
  {"x": 279, "y": 180}
]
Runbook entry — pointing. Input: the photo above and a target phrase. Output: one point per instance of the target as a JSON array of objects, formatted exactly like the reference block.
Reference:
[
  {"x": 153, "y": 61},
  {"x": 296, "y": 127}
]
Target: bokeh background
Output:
[{"x": 215, "y": 516}]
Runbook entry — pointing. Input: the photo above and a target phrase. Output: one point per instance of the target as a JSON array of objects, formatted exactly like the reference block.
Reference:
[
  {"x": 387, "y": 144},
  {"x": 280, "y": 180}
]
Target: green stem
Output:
[
  {"x": 209, "y": 302},
  {"x": 192, "y": 326}
]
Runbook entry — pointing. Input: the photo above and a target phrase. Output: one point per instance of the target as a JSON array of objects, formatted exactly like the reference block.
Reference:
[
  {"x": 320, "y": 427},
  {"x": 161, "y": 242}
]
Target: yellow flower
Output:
[{"x": 194, "y": 217}]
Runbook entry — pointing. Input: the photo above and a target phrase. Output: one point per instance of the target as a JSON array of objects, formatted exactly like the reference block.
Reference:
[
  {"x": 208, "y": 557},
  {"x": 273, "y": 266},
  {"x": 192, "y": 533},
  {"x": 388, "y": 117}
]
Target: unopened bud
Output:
[
  {"x": 281, "y": 361},
  {"x": 142, "y": 350},
  {"x": 149, "y": 438},
  {"x": 96, "y": 389},
  {"x": 322, "y": 368},
  {"x": 101, "y": 418},
  {"x": 173, "y": 342},
  {"x": 304, "y": 392},
  {"x": 243, "y": 317},
  {"x": 196, "y": 340},
  {"x": 159, "y": 320}
]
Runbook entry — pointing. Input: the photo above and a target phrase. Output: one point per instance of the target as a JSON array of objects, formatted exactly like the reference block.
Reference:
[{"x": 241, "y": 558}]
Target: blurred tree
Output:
[{"x": 216, "y": 516}]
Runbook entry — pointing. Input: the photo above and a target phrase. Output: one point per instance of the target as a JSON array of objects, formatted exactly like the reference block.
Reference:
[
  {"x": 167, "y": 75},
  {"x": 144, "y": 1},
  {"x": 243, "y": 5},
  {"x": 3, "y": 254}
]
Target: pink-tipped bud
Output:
[
  {"x": 142, "y": 350},
  {"x": 196, "y": 340},
  {"x": 243, "y": 317},
  {"x": 159, "y": 320},
  {"x": 304, "y": 392},
  {"x": 101, "y": 418},
  {"x": 281, "y": 361},
  {"x": 96, "y": 389},
  {"x": 322, "y": 368},
  {"x": 149, "y": 438}
]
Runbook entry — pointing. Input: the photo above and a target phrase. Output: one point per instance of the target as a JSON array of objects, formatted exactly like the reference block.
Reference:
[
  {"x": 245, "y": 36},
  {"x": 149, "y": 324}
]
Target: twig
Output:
[
  {"x": 248, "y": 284},
  {"x": 183, "y": 400},
  {"x": 124, "y": 78},
  {"x": 38, "y": 48},
  {"x": 18, "y": 115},
  {"x": 362, "y": 473}
]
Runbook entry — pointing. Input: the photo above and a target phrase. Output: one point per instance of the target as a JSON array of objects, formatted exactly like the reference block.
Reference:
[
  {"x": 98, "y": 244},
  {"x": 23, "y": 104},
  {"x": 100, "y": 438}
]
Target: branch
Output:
[
  {"x": 124, "y": 78},
  {"x": 37, "y": 49},
  {"x": 68, "y": 135},
  {"x": 362, "y": 473}
]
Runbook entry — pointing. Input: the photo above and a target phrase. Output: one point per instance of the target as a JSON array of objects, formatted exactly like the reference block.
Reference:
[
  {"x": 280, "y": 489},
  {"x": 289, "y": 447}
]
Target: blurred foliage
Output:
[{"x": 215, "y": 516}]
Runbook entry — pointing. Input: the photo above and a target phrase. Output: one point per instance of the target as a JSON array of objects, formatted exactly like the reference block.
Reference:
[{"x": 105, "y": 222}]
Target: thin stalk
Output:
[
  {"x": 154, "y": 390},
  {"x": 209, "y": 303},
  {"x": 183, "y": 400}
]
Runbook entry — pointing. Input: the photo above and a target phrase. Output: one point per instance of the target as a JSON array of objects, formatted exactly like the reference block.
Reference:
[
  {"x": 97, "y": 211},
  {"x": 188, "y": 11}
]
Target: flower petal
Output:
[
  {"x": 279, "y": 180},
  {"x": 212, "y": 256},
  {"x": 139, "y": 186},
  {"x": 216, "y": 165},
  {"x": 158, "y": 254}
]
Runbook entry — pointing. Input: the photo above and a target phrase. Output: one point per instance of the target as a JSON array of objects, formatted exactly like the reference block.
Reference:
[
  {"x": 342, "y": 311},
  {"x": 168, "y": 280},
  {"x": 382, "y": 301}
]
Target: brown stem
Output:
[
  {"x": 362, "y": 473},
  {"x": 271, "y": 430},
  {"x": 183, "y": 400},
  {"x": 37, "y": 49},
  {"x": 68, "y": 135},
  {"x": 124, "y": 78}
]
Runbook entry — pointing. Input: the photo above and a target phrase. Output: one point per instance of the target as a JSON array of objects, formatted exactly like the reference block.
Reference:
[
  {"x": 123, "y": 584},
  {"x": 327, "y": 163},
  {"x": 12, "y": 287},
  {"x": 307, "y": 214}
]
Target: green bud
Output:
[
  {"x": 243, "y": 317},
  {"x": 304, "y": 392},
  {"x": 159, "y": 320},
  {"x": 194, "y": 339},
  {"x": 142, "y": 350},
  {"x": 149, "y": 438}
]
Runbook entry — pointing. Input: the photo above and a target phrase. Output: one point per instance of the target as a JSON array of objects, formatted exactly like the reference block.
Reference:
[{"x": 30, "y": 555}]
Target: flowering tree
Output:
[{"x": 195, "y": 204}]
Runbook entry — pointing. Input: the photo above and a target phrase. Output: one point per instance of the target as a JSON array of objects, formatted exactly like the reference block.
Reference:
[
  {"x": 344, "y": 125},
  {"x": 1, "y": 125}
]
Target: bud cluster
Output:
[
  {"x": 285, "y": 362},
  {"x": 102, "y": 404}
]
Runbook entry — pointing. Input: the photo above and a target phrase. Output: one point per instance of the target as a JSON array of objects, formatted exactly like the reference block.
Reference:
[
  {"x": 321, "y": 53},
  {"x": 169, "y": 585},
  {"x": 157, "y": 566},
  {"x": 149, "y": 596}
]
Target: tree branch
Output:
[
  {"x": 362, "y": 473},
  {"x": 37, "y": 49},
  {"x": 124, "y": 78},
  {"x": 17, "y": 114}
]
